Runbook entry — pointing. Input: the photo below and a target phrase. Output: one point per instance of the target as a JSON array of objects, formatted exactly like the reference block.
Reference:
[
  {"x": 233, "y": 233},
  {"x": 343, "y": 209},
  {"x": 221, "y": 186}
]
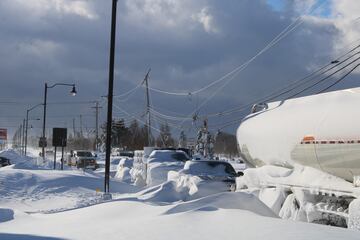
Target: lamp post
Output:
[
  {"x": 42, "y": 142},
  {"x": 27, "y": 124}
]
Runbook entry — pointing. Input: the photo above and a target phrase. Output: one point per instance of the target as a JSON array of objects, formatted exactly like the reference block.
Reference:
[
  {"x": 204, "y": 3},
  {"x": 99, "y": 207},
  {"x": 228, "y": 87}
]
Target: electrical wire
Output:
[
  {"x": 237, "y": 120},
  {"x": 122, "y": 110},
  {"x": 295, "y": 84},
  {"x": 243, "y": 66},
  {"x": 339, "y": 80},
  {"x": 278, "y": 38}
]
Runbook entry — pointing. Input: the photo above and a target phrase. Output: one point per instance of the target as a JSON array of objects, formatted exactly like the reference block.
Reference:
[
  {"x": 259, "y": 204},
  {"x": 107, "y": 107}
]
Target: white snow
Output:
[{"x": 40, "y": 203}]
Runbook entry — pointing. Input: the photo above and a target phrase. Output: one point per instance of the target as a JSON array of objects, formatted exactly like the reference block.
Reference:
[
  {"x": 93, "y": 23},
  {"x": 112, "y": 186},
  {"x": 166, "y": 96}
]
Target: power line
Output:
[
  {"x": 278, "y": 38},
  {"x": 152, "y": 127},
  {"x": 339, "y": 80},
  {"x": 295, "y": 84}
]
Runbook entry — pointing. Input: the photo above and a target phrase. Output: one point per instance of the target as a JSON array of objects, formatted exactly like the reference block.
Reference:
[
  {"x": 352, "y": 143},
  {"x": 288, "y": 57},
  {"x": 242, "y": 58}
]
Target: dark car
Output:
[
  {"x": 212, "y": 172},
  {"x": 4, "y": 162}
]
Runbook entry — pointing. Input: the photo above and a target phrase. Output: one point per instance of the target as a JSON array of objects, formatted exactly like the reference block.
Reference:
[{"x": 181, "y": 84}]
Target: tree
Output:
[
  {"x": 182, "y": 140},
  {"x": 165, "y": 139},
  {"x": 226, "y": 143}
]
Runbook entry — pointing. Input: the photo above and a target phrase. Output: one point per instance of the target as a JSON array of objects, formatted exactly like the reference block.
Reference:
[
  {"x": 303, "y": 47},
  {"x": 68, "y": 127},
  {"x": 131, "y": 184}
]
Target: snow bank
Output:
[
  {"x": 354, "y": 216},
  {"x": 18, "y": 161},
  {"x": 123, "y": 169},
  {"x": 209, "y": 218},
  {"x": 298, "y": 176},
  {"x": 49, "y": 190},
  {"x": 229, "y": 200}
]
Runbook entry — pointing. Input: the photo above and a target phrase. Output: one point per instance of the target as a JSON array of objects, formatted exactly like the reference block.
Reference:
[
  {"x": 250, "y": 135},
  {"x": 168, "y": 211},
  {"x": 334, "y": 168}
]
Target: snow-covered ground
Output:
[{"x": 39, "y": 203}]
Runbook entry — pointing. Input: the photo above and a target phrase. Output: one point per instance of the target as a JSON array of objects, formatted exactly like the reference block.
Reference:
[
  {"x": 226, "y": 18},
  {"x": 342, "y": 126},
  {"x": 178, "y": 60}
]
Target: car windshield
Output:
[
  {"x": 212, "y": 168},
  {"x": 180, "y": 156},
  {"x": 84, "y": 154}
]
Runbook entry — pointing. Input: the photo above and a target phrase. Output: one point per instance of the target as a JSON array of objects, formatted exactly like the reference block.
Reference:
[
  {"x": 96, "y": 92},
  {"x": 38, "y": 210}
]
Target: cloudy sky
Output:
[{"x": 188, "y": 44}]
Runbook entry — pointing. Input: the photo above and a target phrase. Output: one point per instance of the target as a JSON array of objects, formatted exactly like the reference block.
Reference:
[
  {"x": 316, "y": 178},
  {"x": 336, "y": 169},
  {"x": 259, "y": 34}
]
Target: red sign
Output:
[{"x": 3, "y": 134}]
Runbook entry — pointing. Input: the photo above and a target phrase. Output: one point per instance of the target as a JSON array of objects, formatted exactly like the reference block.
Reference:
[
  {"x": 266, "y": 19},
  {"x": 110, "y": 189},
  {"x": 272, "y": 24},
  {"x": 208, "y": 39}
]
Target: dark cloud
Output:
[{"x": 188, "y": 44}]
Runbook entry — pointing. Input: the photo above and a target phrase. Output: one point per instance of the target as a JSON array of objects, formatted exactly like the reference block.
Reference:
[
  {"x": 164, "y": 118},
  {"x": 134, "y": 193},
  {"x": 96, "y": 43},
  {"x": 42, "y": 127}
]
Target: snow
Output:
[
  {"x": 123, "y": 169},
  {"x": 160, "y": 162},
  {"x": 297, "y": 176},
  {"x": 39, "y": 203}
]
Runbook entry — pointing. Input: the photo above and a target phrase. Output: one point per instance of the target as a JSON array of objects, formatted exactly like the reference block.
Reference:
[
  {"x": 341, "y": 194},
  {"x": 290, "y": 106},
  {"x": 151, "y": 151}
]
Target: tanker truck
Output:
[{"x": 318, "y": 134}]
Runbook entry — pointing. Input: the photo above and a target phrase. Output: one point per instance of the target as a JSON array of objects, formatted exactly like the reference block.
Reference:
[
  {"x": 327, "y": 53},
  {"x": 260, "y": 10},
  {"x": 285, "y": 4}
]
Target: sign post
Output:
[{"x": 59, "y": 140}]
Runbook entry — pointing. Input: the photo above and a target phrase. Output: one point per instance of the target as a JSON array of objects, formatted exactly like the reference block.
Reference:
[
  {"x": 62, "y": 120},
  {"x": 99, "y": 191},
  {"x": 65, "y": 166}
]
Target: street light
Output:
[
  {"x": 73, "y": 92},
  {"x": 27, "y": 124}
]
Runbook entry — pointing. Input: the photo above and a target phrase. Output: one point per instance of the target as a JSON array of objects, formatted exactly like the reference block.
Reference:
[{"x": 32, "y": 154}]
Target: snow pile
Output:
[
  {"x": 123, "y": 169},
  {"x": 294, "y": 193},
  {"x": 19, "y": 162},
  {"x": 165, "y": 193},
  {"x": 229, "y": 200},
  {"x": 298, "y": 176},
  {"x": 354, "y": 217},
  {"x": 160, "y": 162},
  {"x": 51, "y": 190},
  {"x": 215, "y": 217}
]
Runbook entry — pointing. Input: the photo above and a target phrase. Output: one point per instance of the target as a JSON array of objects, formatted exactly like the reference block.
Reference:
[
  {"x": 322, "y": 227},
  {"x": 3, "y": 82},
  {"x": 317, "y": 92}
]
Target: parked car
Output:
[
  {"x": 160, "y": 162},
  {"x": 218, "y": 173},
  {"x": 82, "y": 159},
  {"x": 4, "y": 162}
]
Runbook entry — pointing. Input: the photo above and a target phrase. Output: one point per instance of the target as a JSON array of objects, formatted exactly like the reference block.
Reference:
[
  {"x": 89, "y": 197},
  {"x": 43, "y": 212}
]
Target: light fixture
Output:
[{"x": 73, "y": 91}]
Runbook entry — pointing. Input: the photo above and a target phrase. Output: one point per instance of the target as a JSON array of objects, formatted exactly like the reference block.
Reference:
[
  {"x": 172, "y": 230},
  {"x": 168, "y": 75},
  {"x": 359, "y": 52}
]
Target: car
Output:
[
  {"x": 82, "y": 159},
  {"x": 160, "y": 162},
  {"x": 214, "y": 176},
  {"x": 4, "y": 162}
]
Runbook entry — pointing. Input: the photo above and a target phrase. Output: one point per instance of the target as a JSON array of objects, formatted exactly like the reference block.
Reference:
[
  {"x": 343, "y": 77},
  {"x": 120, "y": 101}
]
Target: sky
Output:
[{"x": 187, "y": 44}]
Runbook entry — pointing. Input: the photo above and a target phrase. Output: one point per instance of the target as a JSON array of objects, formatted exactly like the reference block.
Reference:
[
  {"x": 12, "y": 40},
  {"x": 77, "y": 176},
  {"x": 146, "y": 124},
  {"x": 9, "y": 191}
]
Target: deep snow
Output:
[{"x": 39, "y": 203}]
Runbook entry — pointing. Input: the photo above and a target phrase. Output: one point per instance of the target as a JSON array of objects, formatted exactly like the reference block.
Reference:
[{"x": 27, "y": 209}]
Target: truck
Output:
[{"x": 82, "y": 159}]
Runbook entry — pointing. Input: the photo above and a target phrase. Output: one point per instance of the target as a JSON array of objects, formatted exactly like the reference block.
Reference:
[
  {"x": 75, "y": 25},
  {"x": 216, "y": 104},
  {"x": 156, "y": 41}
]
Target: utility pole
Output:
[
  {"x": 20, "y": 137},
  {"x": 74, "y": 128},
  {"x": 146, "y": 80},
  {"x": 23, "y": 139},
  {"x": 81, "y": 127},
  {"x": 97, "y": 107},
  {"x": 107, "y": 194}
]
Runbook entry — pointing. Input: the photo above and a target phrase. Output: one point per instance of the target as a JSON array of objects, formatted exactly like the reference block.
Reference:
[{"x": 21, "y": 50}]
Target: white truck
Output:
[{"x": 82, "y": 159}]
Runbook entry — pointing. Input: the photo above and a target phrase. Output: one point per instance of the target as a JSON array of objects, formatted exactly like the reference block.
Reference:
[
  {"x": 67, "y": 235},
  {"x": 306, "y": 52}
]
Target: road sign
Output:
[{"x": 59, "y": 137}]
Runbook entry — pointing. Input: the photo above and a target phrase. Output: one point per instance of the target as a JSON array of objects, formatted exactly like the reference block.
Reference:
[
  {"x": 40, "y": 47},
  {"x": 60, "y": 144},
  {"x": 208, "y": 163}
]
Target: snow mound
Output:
[
  {"x": 18, "y": 161},
  {"x": 123, "y": 170},
  {"x": 229, "y": 200},
  {"x": 298, "y": 176},
  {"x": 166, "y": 192}
]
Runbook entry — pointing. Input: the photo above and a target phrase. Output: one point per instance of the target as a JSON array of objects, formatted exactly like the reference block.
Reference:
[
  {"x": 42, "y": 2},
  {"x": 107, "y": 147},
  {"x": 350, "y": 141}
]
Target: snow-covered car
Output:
[
  {"x": 160, "y": 162},
  {"x": 123, "y": 169},
  {"x": 4, "y": 162},
  {"x": 205, "y": 177}
]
